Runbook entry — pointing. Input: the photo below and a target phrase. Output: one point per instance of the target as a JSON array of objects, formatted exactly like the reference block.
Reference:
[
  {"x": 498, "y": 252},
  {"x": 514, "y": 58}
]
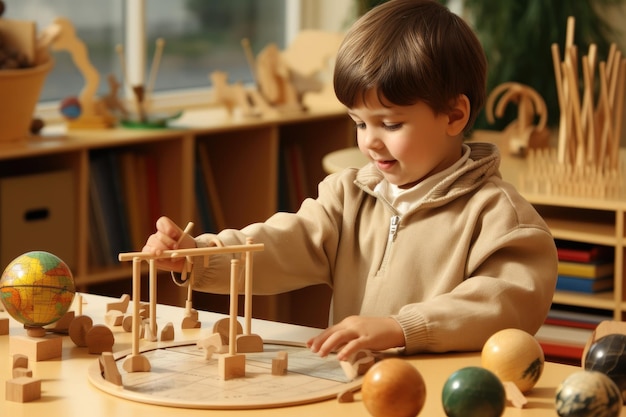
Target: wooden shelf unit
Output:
[
  {"x": 244, "y": 157},
  {"x": 580, "y": 219}
]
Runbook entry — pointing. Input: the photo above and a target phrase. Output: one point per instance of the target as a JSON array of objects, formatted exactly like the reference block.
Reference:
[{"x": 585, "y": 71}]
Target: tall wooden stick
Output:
[{"x": 154, "y": 68}]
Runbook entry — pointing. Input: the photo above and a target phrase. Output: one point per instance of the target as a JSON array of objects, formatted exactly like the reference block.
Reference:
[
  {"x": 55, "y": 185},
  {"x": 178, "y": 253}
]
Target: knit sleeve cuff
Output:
[{"x": 415, "y": 332}]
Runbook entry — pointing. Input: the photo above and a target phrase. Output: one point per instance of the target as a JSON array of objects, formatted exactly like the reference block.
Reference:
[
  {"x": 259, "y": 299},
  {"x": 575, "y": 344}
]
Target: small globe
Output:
[{"x": 37, "y": 288}]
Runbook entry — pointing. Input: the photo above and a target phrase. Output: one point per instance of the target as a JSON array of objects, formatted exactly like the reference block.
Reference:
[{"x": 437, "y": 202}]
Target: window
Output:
[{"x": 199, "y": 36}]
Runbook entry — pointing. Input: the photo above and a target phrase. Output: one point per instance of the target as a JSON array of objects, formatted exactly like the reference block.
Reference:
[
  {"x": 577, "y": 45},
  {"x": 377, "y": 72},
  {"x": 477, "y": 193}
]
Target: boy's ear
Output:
[{"x": 459, "y": 115}]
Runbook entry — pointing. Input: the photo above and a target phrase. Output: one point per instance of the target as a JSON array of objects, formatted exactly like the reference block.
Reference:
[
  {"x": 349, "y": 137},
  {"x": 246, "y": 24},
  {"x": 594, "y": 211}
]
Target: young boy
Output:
[{"x": 425, "y": 248}]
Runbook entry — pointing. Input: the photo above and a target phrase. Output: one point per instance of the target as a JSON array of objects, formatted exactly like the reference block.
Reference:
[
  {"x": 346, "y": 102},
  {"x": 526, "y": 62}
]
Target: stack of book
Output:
[{"x": 584, "y": 267}]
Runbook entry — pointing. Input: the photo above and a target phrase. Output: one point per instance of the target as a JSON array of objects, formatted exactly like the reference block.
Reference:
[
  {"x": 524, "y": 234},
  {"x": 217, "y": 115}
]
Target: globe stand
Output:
[
  {"x": 35, "y": 331},
  {"x": 38, "y": 345}
]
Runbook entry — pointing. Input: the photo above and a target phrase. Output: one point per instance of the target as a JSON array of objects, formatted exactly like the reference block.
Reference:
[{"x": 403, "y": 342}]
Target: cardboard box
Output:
[{"x": 38, "y": 212}]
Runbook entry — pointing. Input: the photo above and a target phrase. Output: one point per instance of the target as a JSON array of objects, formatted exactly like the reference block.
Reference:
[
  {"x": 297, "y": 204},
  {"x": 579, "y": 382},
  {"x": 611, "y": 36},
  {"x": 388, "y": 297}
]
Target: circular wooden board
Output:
[{"x": 180, "y": 376}]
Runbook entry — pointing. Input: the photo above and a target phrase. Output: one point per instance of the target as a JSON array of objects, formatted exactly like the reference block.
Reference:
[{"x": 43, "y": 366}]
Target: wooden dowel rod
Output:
[{"x": 128, "y": 256}]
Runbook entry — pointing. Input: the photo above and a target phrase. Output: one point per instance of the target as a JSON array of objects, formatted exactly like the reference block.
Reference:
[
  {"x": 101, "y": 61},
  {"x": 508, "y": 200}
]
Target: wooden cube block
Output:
[
  {"x": 231, "y": 366},
  {"x": 23, "y": 389},
  {"x": 37, "y": 348}
]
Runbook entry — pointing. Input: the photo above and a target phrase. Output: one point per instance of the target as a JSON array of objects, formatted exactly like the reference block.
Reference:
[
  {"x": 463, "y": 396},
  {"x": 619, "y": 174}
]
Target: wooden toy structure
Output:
[
  {"x": 232, "y": 363},
  {"x": 94, "y": 114},
  {"x": 522, "y": 133},
  {"x": 587, "y": 160}
]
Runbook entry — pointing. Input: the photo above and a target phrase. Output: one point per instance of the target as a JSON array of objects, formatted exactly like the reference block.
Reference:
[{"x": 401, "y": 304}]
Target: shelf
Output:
[{"x": 243, "y": 159}]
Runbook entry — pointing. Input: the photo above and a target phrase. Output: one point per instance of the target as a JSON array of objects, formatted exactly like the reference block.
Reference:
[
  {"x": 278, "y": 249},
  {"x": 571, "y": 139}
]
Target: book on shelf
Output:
[
  {"x": 107, "y": 205},
  {"x": 586, "y": 269},
  {"x": 582, "y": 251},
  {"x": 130, "y": 186},
  {"x": 584, "y": 285},
  {"x": 579, "y": 317},
  {"x": 564, "y": 342},
  {"x": 293, "y": 177}
]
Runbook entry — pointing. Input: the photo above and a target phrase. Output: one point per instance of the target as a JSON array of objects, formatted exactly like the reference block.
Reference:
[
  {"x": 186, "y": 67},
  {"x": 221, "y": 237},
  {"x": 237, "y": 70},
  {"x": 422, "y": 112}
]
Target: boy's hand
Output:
[
  {"x": 355, "y": 333},
  {"x": 167, "y": 237}
]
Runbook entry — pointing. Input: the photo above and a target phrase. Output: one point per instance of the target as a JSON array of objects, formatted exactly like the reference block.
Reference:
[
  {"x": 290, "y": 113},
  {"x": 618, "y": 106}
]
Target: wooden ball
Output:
[
  {"x": 393, "y": 388},
  {"x": 514, "y": 356}
]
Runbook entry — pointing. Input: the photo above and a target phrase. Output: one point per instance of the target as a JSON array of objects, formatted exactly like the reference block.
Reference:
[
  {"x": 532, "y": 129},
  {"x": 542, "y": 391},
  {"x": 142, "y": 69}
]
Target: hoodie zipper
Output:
[{"x": 394, "y": 222}]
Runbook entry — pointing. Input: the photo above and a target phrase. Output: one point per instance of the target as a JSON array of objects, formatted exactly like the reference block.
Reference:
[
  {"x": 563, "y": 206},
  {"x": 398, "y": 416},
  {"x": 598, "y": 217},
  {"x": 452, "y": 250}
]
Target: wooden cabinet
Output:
[
  {"x": 244, "y": 156},
  {"x": 595, "y": 220}
]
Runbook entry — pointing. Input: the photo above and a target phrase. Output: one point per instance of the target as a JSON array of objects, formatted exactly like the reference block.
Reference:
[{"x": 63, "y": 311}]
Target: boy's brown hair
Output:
[{"x": 410, "y": 51}]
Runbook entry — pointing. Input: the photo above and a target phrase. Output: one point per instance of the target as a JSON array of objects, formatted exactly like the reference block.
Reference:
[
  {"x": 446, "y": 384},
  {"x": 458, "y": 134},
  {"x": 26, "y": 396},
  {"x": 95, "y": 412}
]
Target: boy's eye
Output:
[
  {"x": 394, "y": 126},
  {"x": 360, "y": 125}
]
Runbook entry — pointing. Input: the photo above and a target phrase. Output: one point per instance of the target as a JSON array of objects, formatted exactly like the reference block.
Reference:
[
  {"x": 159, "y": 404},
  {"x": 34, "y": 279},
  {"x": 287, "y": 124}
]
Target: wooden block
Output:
[
  {"x": 222, "y": 327},
  {"x": 23, "y": 389},
  {"x": 190, "y": 323},
  {"x": 514, "y": 395},
  {"x": 109, "y": 370},
  {"x": 346, "y": 396},
  {"x": 212, "y": 344},
  {"x": 136, "y": 363},
  {"x": 20, "y": 361},
  {"x": 167, "y": 333},
  {"x": 78, "y": 330},
  {"x": 37, "y": 348},
  {"x": 127, "y": 323},
  {"x": 63, "y": 324},
  {"x": 248, "y": 343},
  {"x": 4, "y": 326},
  {"x": 231, "y": 366},
  {"x": 121, "y": 305},
  {"x": 99, "y": 339},
  {"x": 280, "y": 363},
  {"x": 113, "y": 318},
  {"x": 18, "y": 372},
  {"x": 147, "y": 331},
  {"x": 357, "y": 364}
]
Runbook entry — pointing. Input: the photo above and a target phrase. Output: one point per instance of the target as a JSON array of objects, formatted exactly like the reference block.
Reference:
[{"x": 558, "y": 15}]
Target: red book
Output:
[{"x": 582, "y": 252}]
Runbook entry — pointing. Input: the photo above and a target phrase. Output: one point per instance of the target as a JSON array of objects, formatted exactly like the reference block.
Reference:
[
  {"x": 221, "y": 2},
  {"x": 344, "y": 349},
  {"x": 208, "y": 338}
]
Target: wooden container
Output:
[{"x": 19, "y": 94}]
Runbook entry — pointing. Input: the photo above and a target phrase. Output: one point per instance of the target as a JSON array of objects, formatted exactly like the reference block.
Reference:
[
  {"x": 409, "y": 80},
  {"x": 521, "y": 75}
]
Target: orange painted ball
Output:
[{"x": 393, "y": 388}]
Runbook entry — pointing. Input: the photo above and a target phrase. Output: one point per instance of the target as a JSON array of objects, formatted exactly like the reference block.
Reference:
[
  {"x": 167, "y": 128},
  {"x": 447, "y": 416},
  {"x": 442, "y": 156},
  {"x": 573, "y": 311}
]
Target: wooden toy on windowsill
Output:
[
  {"x": 143, "y": 117},
  {"x": 88, "y": 111},
  {"x": 273, "y": 94}
]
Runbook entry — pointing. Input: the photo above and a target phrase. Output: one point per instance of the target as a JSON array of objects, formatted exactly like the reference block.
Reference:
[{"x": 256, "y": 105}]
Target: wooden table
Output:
[{"x": 67, "y": 392}]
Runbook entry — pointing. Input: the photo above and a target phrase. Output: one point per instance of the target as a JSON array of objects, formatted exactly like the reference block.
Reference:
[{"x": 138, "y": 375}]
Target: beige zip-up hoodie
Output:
[{"x": 473, "y": 257}]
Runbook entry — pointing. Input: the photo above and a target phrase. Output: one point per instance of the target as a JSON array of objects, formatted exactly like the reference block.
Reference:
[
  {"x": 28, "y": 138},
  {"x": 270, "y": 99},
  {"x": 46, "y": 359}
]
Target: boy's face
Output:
[{"x": 407, "y": 143}]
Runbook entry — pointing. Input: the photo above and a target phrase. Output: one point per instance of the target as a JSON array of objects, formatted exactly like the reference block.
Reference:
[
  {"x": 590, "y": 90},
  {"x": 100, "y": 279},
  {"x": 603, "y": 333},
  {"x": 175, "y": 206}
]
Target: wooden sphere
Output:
[
  {"x": 514, "y": 356},
  {"x": 587, "y": 393},
  {"x": 393, "y": 388}
]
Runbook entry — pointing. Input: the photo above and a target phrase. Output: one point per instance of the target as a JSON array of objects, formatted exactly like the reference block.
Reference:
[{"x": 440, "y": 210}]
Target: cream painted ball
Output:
[{"x": 514, "y": 356}]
